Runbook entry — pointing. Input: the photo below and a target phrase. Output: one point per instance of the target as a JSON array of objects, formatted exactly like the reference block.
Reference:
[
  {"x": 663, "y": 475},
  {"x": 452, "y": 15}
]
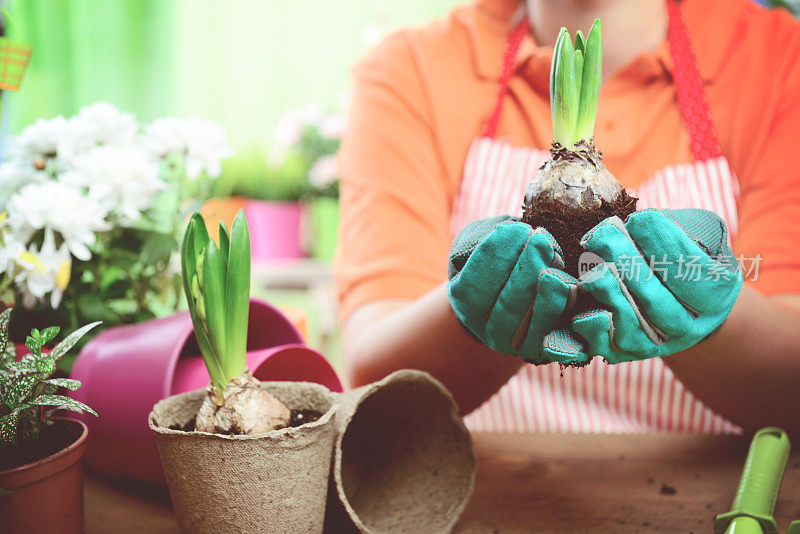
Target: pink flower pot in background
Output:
[
  {"x": 127, "y": 369},
  {"x": 275, "y": 229}
]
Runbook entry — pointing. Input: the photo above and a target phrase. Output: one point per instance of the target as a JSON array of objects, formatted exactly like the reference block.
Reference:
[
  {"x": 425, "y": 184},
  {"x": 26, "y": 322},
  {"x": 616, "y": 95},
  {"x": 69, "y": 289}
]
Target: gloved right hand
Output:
[{"x": 506, "y": 285}]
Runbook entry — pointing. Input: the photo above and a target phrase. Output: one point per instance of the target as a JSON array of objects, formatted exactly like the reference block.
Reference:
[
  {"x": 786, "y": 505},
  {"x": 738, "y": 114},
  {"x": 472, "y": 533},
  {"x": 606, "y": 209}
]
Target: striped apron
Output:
[{"x": 643, "y": 396}]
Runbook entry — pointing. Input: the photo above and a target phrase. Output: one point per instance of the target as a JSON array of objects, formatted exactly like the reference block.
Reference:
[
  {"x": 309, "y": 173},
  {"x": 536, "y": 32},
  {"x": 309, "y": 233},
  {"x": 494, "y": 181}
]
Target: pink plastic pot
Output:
[
  {"x": 274, "y": 229},
  {"x": 289, "y": 363},
  {"x": 124, "y": 371}
]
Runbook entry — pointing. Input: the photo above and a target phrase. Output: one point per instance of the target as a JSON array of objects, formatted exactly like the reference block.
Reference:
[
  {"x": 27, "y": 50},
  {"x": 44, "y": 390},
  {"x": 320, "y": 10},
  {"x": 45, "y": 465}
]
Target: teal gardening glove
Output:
[
  {"x": 506, "y": 285},
  {"x": 668, "y": 281}
]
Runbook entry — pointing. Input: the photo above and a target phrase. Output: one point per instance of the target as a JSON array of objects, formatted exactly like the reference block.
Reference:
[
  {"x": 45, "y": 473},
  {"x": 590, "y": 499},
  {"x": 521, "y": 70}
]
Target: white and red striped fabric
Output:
[{"x": 642, "y": 396}]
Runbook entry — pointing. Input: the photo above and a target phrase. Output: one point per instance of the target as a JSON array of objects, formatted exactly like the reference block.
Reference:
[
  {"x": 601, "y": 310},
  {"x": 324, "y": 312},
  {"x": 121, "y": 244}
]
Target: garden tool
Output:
[{"x": 751, "y": 511}]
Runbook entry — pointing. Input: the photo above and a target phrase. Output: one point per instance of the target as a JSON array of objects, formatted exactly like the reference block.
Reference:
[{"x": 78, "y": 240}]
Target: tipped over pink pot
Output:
[{"x": 125, "y": 370}]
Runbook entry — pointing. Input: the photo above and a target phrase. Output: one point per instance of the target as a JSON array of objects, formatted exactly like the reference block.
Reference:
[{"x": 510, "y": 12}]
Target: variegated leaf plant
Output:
[{"x": 28, "y": 395}]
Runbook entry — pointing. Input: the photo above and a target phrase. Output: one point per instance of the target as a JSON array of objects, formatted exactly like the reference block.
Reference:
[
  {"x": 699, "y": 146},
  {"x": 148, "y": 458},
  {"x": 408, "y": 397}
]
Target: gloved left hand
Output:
[{"x": 669, "y": 280}]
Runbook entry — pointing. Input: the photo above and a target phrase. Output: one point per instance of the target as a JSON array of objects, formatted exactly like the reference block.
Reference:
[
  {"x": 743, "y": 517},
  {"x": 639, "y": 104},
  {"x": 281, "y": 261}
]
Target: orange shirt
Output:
[{"x": 422, "y": 95}]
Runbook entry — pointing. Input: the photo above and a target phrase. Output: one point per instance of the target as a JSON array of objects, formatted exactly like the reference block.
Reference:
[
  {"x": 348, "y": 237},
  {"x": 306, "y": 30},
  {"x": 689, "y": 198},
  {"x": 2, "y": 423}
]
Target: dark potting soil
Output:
[
  {"x": 302, "y": 417},
  {"x": 52, "y": 439},
  {"x": 188, "y": 427},
  {"x": 568, "y": 225},
  {"x": 298, "y": 418}
]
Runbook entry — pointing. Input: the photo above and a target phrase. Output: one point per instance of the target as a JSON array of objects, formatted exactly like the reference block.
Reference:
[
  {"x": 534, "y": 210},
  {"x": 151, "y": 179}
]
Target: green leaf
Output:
[
  {"x": 580, "y": 42},
  {"x": 68, "y": 342},
  {"x": 33, "y": 343},
  {"x": 564, "y": 99},
  {"x": 237, "y": 294},
  {"x": 92, "y": 305},
  {"x": 25, "y": 366},
  {"x": 189, "y": 254},
  {"x": 157, "y": 247},
  {"x": 8, "y": 355},
  {"x": 49, "y": 333},
  {"x": 590, "y": 86},
  {"x": 8, "y": 427},
  {"x": 46, "y": 364},
  {"x": 224, "y": 241},
  {"x": 214, "y": 297},
  {"x": 201, "y": 237},
  {"x": 578, "y": 72},
  {"x": 123, "y": 306},
  {"x": 67, "y": 383},
  {"x": 62, "y": 402},
  {"x": 5, "y": 318},
  {"x": 19, "y": 390}
]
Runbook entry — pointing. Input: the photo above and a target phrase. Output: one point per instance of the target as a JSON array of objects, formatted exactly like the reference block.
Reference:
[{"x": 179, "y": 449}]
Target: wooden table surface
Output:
[{"x": 541, "y": 483}]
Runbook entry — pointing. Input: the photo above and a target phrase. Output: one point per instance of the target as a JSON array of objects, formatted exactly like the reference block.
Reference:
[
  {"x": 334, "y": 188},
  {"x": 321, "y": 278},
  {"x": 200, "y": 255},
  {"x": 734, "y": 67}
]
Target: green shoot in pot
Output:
[
  {"x": 217, "y": 285},
  {"x": 216, "y": 280},
  {"x": 575, "y": 76}
]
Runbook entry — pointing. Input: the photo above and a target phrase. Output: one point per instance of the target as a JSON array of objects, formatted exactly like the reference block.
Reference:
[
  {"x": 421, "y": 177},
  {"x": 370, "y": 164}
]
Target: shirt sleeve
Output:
[
  {"x": 395, "y": 206},
  {"x": 769, "y": 208}
]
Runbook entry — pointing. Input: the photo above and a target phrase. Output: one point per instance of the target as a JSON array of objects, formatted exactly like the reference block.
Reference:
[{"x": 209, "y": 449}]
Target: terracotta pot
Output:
[
  {"x": 47, "y": 494},
  {"x": 271, "y": 482}
]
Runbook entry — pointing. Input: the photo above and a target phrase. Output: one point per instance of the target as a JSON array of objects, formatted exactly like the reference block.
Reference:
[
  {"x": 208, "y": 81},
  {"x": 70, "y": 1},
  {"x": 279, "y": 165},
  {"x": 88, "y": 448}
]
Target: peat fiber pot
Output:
[
  {"x": 272, "y": 482},
  {"x": 47, "y": 493},
  {"x": 403, "y": 460}
]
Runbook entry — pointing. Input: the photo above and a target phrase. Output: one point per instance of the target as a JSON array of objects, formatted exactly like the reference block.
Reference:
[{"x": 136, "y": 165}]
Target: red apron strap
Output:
[
  {"x": 509, "y": 62},
  {"x": 689, "y": 88}
]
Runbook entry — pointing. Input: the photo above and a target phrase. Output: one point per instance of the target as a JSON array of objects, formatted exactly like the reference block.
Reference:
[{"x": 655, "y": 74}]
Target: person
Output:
[{"x": 449, "y": 122}]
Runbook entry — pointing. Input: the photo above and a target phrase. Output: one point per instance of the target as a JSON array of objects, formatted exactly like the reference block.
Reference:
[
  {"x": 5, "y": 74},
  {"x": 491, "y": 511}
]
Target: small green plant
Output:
[
  {"x": 575, "y": 78},
  {"x": 217, "y": 285},
  {"x": 216, "y": 280},
  {"x": 28, "y": 396}
]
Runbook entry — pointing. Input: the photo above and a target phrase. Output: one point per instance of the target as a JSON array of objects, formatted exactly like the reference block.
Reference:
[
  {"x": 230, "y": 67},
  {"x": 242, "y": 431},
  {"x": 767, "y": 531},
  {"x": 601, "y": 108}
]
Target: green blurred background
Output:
[{"x": 238, "y": 62}]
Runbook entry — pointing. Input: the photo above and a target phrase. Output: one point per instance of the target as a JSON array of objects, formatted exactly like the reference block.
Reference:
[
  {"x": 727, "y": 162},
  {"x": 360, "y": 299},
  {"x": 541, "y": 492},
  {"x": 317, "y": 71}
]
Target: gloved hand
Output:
[
  {"x": 506, "y": 285},
  {"x": 669, "y": 280}
]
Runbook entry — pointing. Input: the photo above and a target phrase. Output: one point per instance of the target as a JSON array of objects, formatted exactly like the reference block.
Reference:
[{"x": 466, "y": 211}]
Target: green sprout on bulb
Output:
[{"x": 575, "y": 76}]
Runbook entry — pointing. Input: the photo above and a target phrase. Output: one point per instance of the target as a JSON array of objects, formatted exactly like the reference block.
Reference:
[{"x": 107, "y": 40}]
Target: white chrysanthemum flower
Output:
[
  {"x": 323, "y": 172},
  {"x": 14, "y": 175},
  {"x": 38, "y": 142},
  {"x": 95, "y": 125},
  {"x": 123, "y": 179},
  {"x": 43, "y": 271},
  {"x": 203, "y": 143},
  {"x": 62, "y": 207}
]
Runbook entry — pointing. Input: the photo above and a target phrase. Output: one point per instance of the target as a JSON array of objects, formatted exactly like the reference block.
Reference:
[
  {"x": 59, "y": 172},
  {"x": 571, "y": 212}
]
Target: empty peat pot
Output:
[
  {"x": 404, "y": 461},
  {"x": 47, "y": 493},
  {"x": 275, "y": 482}
]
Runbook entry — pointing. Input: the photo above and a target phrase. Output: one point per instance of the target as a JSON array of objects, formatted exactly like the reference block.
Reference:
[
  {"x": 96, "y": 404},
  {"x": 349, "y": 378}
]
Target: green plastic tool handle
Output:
[
  {"x": 744, "y": 525},
  {"x": 758, "y": 488}
]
